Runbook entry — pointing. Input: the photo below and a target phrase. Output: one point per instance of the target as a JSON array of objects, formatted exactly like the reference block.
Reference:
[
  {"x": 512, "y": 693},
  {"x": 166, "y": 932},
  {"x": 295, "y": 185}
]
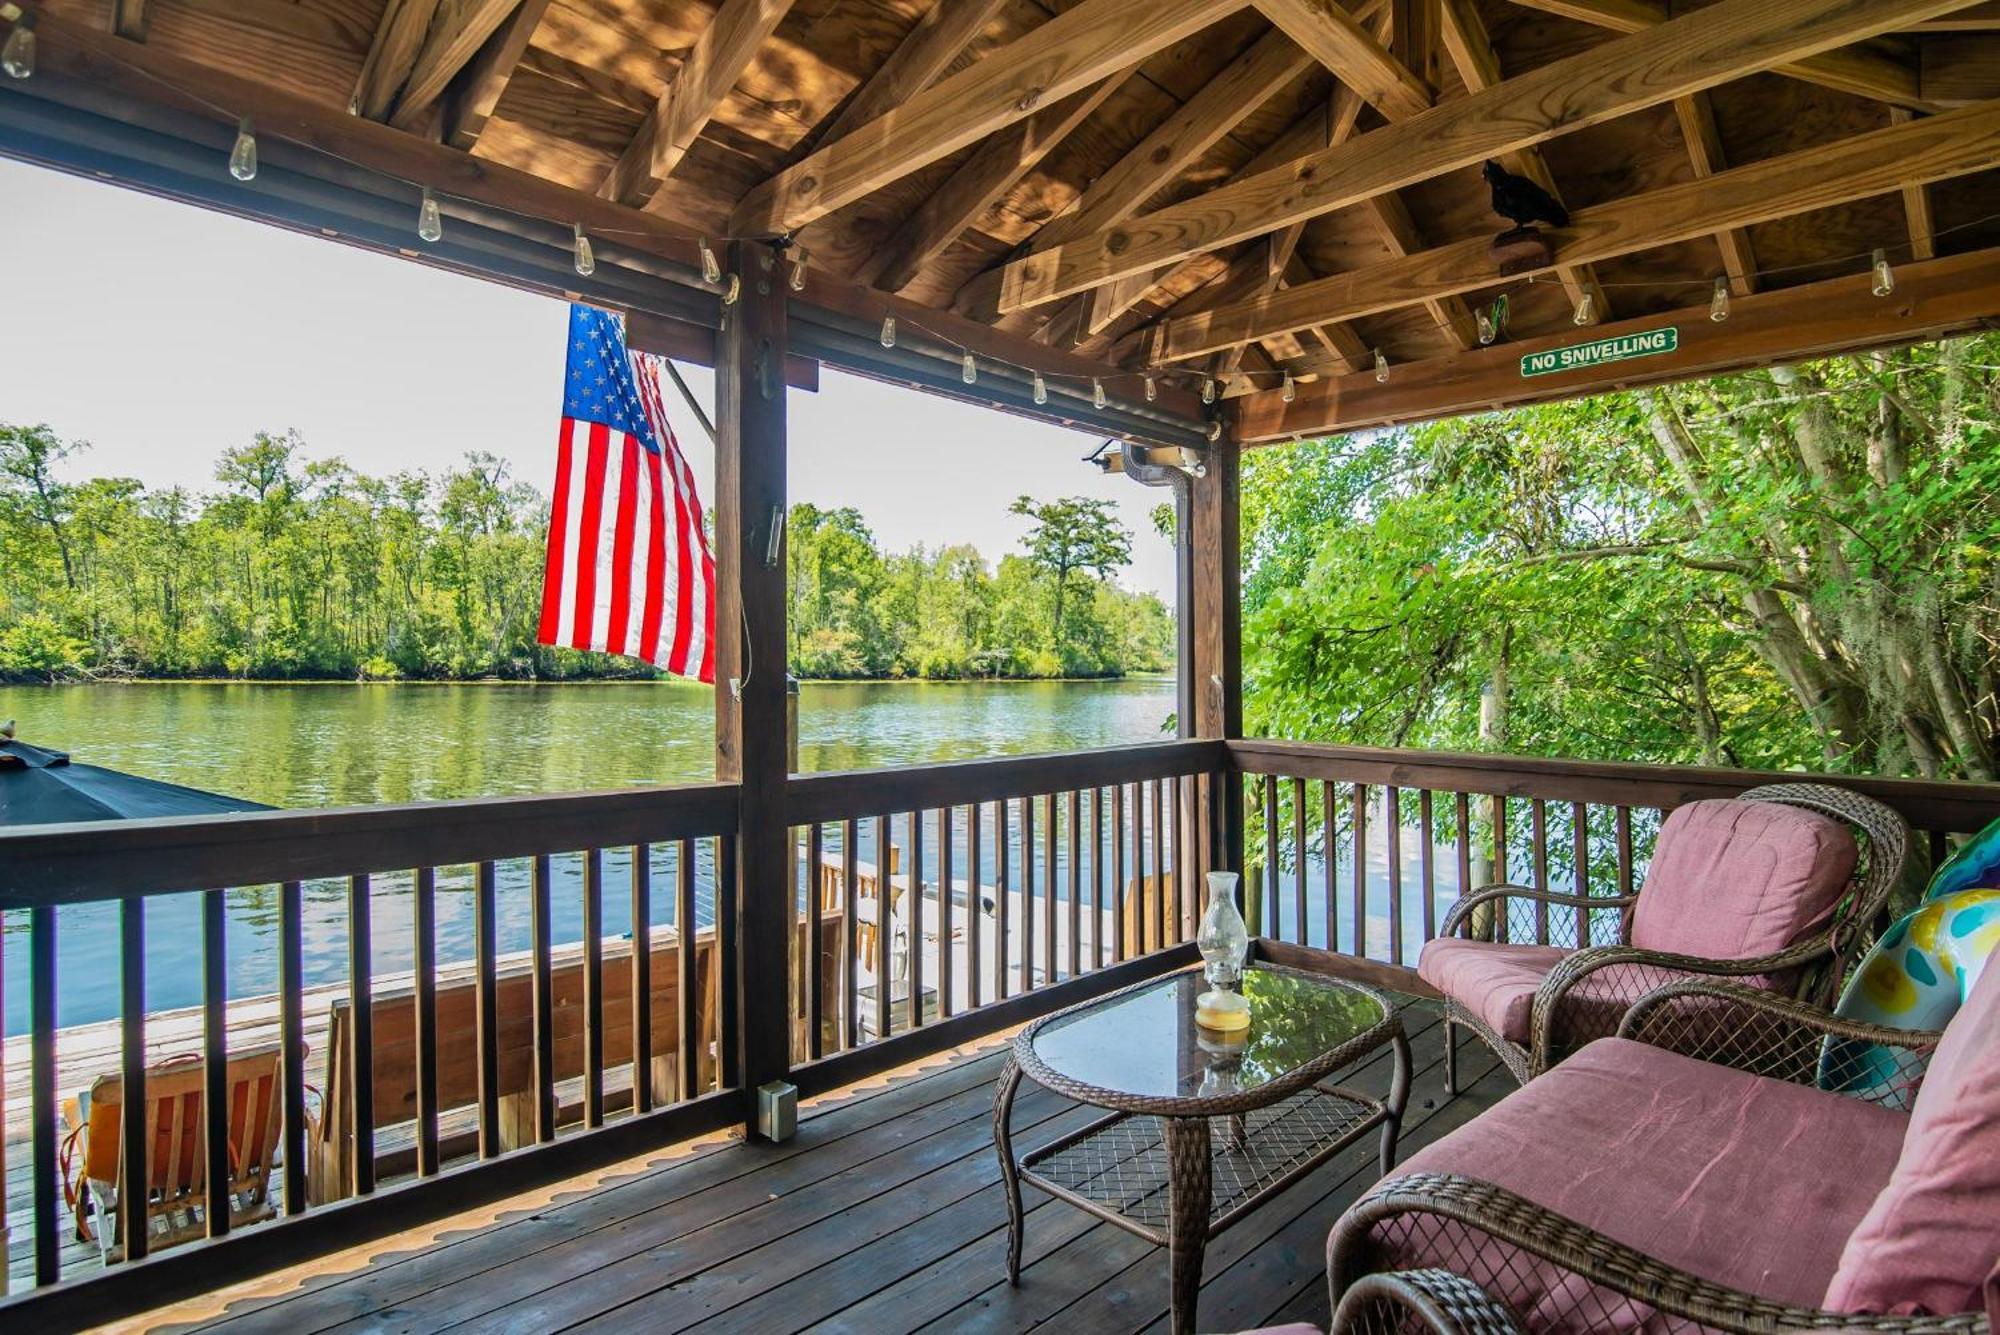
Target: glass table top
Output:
[{"x": 1146, "y": 1042}]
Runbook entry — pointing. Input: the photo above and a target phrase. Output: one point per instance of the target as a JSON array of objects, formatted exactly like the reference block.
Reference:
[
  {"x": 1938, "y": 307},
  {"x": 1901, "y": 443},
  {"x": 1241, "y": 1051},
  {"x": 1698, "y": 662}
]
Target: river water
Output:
[{"x": 301, "y": 746}]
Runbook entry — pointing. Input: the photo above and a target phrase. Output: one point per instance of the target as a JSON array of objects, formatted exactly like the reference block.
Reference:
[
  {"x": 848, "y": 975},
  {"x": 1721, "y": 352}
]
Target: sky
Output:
[{"x": 162, "y": 333}]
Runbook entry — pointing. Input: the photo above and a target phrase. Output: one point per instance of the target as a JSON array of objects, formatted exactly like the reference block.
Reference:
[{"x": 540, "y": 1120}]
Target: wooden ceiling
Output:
[{"x": 1203, "y": 187}]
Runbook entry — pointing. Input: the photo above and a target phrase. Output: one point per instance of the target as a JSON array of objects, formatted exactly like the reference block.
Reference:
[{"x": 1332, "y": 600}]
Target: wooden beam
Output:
[
  {"x": 1704, "y": 149},
  {"x": 1350, "y": 52},
  {"x": 459, "y": 30},
  {"x": 1860, "y": 72},
  {"x": 1398, "y": 231},
  {"x": 1917, "y": 205},
  {"x": 1956, "y": 143},
  {"x": 1073, "y": 51},
  {"x": 940, "y": 36},
  {"x": 399, "y": 39},
  {"x": 1708, "y": 47},
  {"x": 1463, "y": 34},
  {"x": 1932, "y": 299},
  {"x": 1214, "y": 604},
  {"x": 1962, "y": 68},
  {"x": 979, "y": 183},
  {"x": 694, "y": 344},
  {"x": 472, "y": 99},
  {"x": 1979, "y": 18},
  {"x": 715, "y": 65},
  {"x": 129, "y": 19}
]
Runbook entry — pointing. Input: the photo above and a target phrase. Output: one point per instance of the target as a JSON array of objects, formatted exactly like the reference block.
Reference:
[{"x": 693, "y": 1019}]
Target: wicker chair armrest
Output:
[
  {"x": 1461, "y": 912},
  {"x": 1521, "y": 1224},
  {"x": 1436, "y": 1302}
]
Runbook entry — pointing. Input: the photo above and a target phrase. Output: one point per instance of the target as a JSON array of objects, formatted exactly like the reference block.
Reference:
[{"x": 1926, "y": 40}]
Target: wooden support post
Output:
[
  {"x": 1213, "y": 671},
  {"x": 750, "y": 705}
]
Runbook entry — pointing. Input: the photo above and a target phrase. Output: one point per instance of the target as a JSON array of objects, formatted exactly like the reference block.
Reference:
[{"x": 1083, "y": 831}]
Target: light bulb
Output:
[
  {"x": 1152, "y": 387},
  {"x": 1041, "y": 389},
  {"x": 1718, "y": 301},
  {"x": 1096, "y": 392},
  {"x": 1214, "y": 432},
  {"x": 732, "y": 290},
  {"x": 711, "y": 268},
  {"x": 1487, "y": 333},
  {"x": 18, "y": 56},
  {"x": 968, "y": 370},
  {"x": 1586, "y": 308},
  {"x": 888, "y": 331},
  {"x": 243, "y": 157},
  {"x": 1885, "y": 277},
  {"x": 430, "y": 223},
  {"x": 797, "y": 280},
  {"x": 581, "y": 253},
  {"x": 1381, "y": 368},
  {"x": 1208, "y": 389},
  {"x": 1289, "y": 392}
]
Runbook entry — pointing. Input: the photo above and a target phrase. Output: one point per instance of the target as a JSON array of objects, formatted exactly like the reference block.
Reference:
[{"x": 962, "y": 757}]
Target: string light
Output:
[
  {"x": 1885, "y": 277},
  {"x": 18, "y": 56},
  {"x": 243, "y": 156},
  {"x": 732, "y": 290},
  {"x": 1041, "y": 389},
  {"x": 1290, "y": 391},
  {"x": 1097, "y": 399},
  {"x": 1586, "y": 308},
  {"x": 888, "y": 331},
  {"x": 968, "y": 370},
  {"x": 1152, "y": 387},
  {"x": 430, "y": 223},
  {"x": 798, "y": 275},
  {"x": 1381, "y": 368},
  {"x": 1718, "y": 301},
  {"x": 1208, "y": 389},
  {"x": 1487, "y": 333},
  {"x": 711, "y": 267},
  {"x": 581, "y": 252},
  {"x": 1214, "y": 432}
]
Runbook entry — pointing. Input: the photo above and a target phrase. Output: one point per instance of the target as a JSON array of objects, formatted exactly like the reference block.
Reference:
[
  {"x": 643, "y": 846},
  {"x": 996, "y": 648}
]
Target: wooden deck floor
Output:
[{"x": 883, "y": 1215}]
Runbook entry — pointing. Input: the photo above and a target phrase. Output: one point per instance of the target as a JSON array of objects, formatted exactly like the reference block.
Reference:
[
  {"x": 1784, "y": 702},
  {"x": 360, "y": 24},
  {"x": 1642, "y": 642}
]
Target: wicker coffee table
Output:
[{"x": 1153, "y": 1166}]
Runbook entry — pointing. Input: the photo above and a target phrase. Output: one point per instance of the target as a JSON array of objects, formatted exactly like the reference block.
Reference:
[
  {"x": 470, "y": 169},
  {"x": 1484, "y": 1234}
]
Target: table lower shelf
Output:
[{"x": 1117, "y": 1167}]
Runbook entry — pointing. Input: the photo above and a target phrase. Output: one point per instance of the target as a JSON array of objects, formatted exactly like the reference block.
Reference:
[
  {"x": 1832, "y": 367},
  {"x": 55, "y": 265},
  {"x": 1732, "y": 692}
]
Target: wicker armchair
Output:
[
  {"x": 1586, "y": 988},
  {"x": 1552, "y": 1272}
]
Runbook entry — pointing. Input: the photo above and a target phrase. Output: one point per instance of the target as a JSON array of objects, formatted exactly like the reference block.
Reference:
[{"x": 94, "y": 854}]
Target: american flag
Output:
[{"x": 629, "y": 571}]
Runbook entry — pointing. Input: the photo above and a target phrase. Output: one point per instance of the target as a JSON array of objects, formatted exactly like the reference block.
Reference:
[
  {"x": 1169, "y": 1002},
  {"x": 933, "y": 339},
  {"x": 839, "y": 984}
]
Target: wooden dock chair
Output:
[{"x": 176, "y": 1191}]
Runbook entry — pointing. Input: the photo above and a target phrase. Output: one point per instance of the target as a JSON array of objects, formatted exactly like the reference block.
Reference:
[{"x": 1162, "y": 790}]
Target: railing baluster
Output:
[
  {"x": 42, "y": 1090},
  {"x": 1051, "y": 884},
  {"x": 1580, "y": 838},
  {"x": 485, "y": 912},
  {"x": 1361, "y": 870},
  {"x": 1539, "y": 814},
  {"x": 291, "y": 1039},
  {"x": 1392, "y": 823},
  {"x": 1427, "y": 862},
  {"x": 593, "y": 987},
  {"x": 133, "y": 1125},
  {"x": 815, "y": 943},
  {"x": 361, "y": 1051},
  {"x": 850, "y": 933},
  {"x": 1002, "y": 945},
  {"x": 1160, "y": 872},
  {"x": 1027, "y": 894},
  {"x": 1299, "y": 861},
  {"x": 946, "y": 913},
  {"x": 1118, "y": 871},
  {"x": 1139, "y": 943},
  {"x": 1622, "y": 820},
  {"x": 540, "y": 946},
  {"x": 642, "y": 978},
  {"x": 687, "y": 962},
  {"x": 1183, "y": 873},
  {"x": 725, "y": 991},
  {"x": 975, "y": 816},
  {"x": 1075, "y": 882},
  {"x": 1502, "y": 872},
  {"x": 914, "y": 880},
  {"x": 423, "y": 904},
  {"x": 1939, "y": 845},
  {"x": 1273, "y": 904},
  {"x": 1098, "y": 945},
  {"x": 1462, "y": 810},
  {"x": 885, "y": 924},
  {"x": 1329, "y": 799}
]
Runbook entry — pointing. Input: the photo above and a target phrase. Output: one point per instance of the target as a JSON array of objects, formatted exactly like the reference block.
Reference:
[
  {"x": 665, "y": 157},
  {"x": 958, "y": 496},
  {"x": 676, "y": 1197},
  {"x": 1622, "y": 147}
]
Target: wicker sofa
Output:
[
  {"x": 1770, "y": 888},
  {"x": 1644, "y": 1184}
]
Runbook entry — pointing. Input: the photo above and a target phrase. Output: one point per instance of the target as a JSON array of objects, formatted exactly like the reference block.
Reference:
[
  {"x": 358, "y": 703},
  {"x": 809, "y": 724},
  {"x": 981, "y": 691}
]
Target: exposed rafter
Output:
[
  {"x": 1067, "y": 54},
  {"x": 477, "y": 91},
  {"x": 1626, "y": 74},
  {"x": 1863, "y": 73},
  {"x": 1704, "y": 148},
  {"x": 939, "y": 38},
  {"x": 1954, "y": 144},
  {"x": 1337, "y": 40},
  {"x": 725, "y": 49},
  {"x": 419, "y": 48},
  {"x": 399, "y": 40},
  {"x": 1917, "y": 206},
  {"x": 129, "y": 19}
]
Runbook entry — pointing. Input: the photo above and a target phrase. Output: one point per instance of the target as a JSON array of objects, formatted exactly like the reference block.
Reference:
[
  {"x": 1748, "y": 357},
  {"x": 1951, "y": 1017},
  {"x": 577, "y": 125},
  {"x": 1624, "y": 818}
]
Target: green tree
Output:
[{"x": 1073, "y": 536}]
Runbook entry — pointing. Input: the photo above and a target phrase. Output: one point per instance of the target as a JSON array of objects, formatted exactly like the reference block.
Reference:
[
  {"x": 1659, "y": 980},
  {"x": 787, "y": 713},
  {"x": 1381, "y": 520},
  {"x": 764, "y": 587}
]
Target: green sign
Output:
[{"x": 1623, "y": 348}]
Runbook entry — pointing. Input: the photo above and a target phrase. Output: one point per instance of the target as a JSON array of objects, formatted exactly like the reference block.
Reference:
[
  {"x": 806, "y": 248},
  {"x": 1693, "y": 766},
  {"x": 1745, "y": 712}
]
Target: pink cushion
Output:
[
  {"x": 1933, "y": 1234},
  {"x": 1497, "y": 982},
  {"x": 1732, "y": 879},
  {"x": 1719, "y": 1173}
]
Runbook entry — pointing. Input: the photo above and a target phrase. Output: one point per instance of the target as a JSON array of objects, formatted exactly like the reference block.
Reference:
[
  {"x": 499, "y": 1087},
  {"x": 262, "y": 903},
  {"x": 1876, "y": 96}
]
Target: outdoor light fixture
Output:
[
  {"x": 430, "y": 223},
  {"x": 585, "y": 257},
  {"x": 798, "y": 276},
  {"x": 774, "y": 546},
  {"x": 243, "y": 157},
  {"x": 1152, "y": 387},
  {"x": 732, "y": 290},
  {"x": 1718, "y": 302},
  {"x": 1586, "y": 308},
  {"x": 711, "y": 268},
  {"x": 1381, "y": 368},
  {"x": 1885, "y": 277},
  {"x": 1097, "y": 399},
  {"x": 968, "y": 370},
  {"x": 1289, "y": 391},
  {"x": 1487, "y": 333},
  {"x": 1208, "y": 389},
  {"x": 1041, "y": 389},
  {"x": 1214, "y": 432},
  {"x": 18, "y": 56},
  {"x": 888, "y": 331}
]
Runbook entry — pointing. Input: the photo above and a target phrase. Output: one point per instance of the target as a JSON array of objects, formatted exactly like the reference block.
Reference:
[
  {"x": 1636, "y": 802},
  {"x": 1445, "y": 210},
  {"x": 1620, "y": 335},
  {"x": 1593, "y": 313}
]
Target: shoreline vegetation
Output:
[{"x": 297, "y": 569}]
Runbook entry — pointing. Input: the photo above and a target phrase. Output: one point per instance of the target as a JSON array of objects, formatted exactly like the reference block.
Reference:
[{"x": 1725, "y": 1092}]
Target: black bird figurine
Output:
[{"x": 1522, "y": 202}]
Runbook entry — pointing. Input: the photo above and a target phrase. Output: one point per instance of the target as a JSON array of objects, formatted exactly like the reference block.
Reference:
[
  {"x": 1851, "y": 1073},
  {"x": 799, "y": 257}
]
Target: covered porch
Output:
[{"x": 1197, "y": 229}]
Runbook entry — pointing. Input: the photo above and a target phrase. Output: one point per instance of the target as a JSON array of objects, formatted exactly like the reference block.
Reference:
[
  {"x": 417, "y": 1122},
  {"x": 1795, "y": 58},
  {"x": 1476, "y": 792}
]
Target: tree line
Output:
[
  {"x": 303, "y": 568},
  {"x": 1792, "y": 567}
]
